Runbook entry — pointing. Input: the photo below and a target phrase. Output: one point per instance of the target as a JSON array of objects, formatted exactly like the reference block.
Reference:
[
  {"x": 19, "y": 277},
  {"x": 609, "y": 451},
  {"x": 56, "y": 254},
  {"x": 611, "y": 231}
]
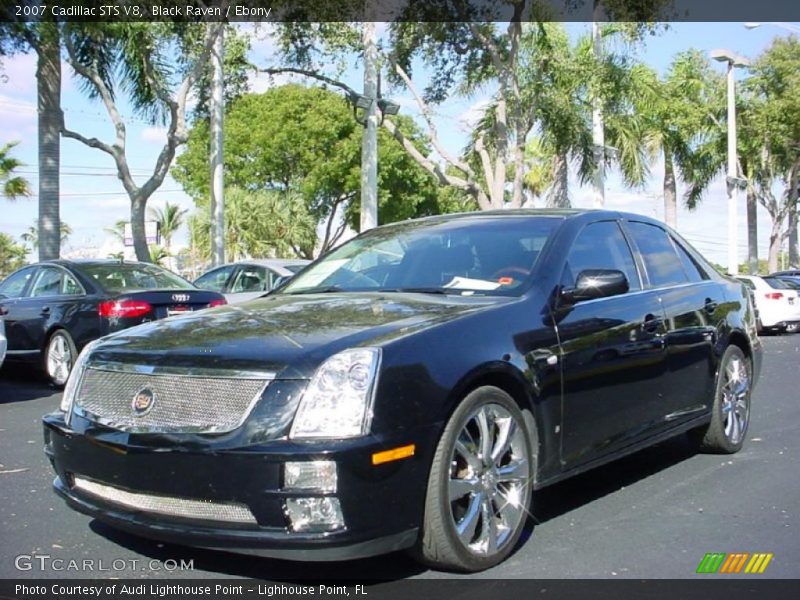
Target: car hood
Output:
[{"x": 288, "y": 335}]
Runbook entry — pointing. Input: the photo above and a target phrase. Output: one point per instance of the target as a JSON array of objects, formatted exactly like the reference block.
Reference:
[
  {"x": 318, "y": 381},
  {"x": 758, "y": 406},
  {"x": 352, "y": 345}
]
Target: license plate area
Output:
[{"x": 177, "y": 310}]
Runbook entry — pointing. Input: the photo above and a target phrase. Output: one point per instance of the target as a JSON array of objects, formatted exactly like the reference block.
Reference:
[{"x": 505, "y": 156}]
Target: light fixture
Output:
[
  {"x": 727, "y": 56},
  {"x": 388, "y": 107}
]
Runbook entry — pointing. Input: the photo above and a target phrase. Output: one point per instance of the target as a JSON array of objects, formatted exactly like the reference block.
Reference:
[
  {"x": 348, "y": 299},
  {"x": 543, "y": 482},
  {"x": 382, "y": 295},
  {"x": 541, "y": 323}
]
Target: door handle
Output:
[
  {"x": 45, "y": 311},
  {"x": 651, "y": 323},
  {"x": 3, "y": 311},
  {"x": 710, "y": 306}
]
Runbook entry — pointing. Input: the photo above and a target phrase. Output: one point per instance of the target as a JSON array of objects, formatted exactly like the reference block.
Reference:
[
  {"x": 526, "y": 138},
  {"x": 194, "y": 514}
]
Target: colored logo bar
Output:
[{"x": 736, "y": 562}]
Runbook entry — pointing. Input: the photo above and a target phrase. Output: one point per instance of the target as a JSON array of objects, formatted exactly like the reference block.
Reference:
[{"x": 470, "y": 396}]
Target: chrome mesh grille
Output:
[
  {"x": 205, "y": 510},
  {"x": 182, "y": 404}
]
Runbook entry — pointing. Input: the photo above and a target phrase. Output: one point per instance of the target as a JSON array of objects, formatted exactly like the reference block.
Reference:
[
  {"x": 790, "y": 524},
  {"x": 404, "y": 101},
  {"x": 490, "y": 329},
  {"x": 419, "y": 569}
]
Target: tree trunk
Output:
[
  {"x": 670, "y": 192},
  {"x": 138, "y": 204},
  {"x": 752, "y": 231},
  {"x": 519, "y": 170},
  {"x": 775, "y": 240},
  {"x": 48, "y": 78},
  {"x": 558, "y": 196},
  {"x": 794, "y": 182}
]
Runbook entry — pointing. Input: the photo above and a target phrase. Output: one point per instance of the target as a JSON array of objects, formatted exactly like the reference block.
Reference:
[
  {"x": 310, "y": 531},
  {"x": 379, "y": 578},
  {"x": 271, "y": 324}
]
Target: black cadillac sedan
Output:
[
  {"x": 410, "y": 389},
  {"x": 53, "y": 309}
]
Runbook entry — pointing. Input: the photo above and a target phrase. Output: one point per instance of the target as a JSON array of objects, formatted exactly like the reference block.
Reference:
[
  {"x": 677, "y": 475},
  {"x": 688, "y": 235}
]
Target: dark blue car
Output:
[{"x": 53, "y": 309}]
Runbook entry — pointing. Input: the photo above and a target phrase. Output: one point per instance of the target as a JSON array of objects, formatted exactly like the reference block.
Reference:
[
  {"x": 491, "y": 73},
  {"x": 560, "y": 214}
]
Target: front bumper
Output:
[{"x": 382, "y": 505}]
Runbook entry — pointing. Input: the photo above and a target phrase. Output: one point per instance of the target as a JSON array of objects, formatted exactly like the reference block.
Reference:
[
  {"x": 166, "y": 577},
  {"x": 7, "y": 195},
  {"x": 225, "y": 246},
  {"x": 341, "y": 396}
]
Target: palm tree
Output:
[
  {"x": 170, "y": 219},
  {"x": 682, "y": 128},
  {"x": 557, "y": 81},
  {"x": 118, "y": 230},
  {"x": 13, "y": 186},
  {"x": 33, "y": 238}
]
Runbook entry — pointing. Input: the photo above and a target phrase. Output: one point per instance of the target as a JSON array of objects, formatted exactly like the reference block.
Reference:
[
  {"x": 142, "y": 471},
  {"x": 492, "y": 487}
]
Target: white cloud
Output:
[
  {"x": 156, "y": 135},
  {"x": 19, "y": 118}
]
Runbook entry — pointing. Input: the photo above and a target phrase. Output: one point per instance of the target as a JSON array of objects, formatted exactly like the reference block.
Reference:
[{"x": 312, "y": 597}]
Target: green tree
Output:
[
  {"x": 304, "y": 141},
  {"x": 12, "y": 255},
  {"x": 261, "y": 223},
  {"x": 158, "y": 254},
  {"x": 770, "y": 136},
  {"x": 682, "y": 119},
  {"x": 170, "y": 219},
  {"x": 33, "y": 238},
  {"x": 11, "y": 186},
  {"x": 118, "y": 230},
  {"x": 44, "y": 38}
]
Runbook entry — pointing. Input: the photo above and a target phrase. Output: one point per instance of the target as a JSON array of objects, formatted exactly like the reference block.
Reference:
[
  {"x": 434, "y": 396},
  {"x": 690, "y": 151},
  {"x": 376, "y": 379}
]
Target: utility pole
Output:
[
  {"x": 369, "y": 145},
  {"x": 598, "y": 125},
  {"x": 217, "y": 140},
  {"x": 732, "y": 60}
]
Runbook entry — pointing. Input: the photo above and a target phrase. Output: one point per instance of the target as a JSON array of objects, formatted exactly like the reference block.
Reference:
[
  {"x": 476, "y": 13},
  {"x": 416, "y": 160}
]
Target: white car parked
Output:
[
  {"x": 3, "y": 342},
  {"x": 249, "y": 279},
  {"x": 778, "y": 305}
]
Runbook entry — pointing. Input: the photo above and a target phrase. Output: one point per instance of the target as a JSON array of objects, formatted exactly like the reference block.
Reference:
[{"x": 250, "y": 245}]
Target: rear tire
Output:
[
  {"x": 59, "y": 356},
  {"x": 730, "y": 416},
  {"x": 480, "y": 484}
]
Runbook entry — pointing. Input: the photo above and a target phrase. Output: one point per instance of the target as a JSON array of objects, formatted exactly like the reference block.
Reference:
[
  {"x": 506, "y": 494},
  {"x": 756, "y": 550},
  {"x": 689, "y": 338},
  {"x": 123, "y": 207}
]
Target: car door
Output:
[
  {"x": 215, "y": 280},
  {"x": 32, "y": 312},
  {"x": 613, "y": 356},
  {"x": 694, "y": 306},
  {"x": 249, "y": 282},
  {"x": 12, "y": 289}
]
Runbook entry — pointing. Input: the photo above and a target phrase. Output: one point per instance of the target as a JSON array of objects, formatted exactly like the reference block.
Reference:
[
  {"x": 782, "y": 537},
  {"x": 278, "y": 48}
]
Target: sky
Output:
[{"x": 92, "y": 197}]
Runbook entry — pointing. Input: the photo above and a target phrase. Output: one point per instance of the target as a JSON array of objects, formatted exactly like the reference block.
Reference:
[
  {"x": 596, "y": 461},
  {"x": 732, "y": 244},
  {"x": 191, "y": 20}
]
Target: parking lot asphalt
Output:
[{"x": 654, "y": 514}]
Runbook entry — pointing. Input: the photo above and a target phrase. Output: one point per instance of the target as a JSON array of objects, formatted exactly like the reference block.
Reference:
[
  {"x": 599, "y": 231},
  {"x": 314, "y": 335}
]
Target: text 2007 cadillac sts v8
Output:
[{"x": 409, "y": 389}]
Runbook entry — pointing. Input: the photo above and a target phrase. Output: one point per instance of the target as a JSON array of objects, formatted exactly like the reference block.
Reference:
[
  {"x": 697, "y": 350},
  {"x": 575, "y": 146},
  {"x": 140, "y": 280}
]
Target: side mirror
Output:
[{"x": 596, "y": 283}]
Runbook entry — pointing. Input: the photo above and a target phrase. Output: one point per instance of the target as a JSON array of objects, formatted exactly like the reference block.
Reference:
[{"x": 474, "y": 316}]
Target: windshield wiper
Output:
[
  {"x": 415, "y": 290},
  {"x": 321, "y": 289}
]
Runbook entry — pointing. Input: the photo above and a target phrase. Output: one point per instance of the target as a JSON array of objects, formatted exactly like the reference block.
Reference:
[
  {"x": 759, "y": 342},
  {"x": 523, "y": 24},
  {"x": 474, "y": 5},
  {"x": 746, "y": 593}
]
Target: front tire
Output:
[
  {"x": 731, "y": 411},
  {"x": 59, "y": 356},
  {"x": 479, "y": 488}
]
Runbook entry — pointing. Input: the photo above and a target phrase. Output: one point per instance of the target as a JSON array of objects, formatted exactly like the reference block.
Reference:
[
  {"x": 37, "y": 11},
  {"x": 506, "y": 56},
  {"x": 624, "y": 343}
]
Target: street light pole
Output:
[
  {"x": 369, "y": 146},
  {"x": 733, "y": 180},
  {"x": 217, "y": 140},
  {"x": 733, "y": 189},
  {"x": 598, "y": 129}
]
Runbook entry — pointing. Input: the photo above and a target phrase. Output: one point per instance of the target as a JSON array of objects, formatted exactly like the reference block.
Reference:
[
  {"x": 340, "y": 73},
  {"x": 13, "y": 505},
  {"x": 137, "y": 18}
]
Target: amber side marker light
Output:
[{"x": 394, "y": 454}]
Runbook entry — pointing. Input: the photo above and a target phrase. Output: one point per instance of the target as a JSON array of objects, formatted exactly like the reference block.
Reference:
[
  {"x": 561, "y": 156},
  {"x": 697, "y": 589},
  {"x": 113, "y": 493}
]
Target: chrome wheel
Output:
[
  {"x": 735, "y": 399},
  {"x": 488, "y": 482},
  {"x": 59, "y": 359}
]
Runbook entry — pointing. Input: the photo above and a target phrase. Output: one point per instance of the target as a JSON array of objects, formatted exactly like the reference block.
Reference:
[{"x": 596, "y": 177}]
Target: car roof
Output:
[
  {"x": 564, "y": 213},
  {"x": 93, "y": 261}
]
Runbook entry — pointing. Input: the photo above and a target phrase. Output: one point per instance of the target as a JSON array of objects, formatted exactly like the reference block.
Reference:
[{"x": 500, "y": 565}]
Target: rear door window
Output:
[
  {"x": 251, "y": 279},
  {"x": 661, "y": 261},
  {"x": 48, "y": 283}
]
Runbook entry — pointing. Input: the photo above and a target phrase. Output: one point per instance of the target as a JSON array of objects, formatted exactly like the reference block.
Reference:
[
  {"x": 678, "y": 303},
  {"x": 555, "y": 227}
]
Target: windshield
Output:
[
  {"x": 128, "y": 277},
  {"x": 467, "y": 255}
]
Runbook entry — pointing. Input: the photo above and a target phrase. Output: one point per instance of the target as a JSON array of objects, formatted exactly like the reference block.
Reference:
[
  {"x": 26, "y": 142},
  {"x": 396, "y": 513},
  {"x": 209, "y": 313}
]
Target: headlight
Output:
[
  {"x": 338, "y": 401},
  {"x": 71, "y": 389}
]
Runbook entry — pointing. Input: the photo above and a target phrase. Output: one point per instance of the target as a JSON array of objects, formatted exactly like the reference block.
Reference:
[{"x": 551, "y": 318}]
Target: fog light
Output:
[
  {"x": 310, "y": 515},
  {"x": 317, "y": 475}
]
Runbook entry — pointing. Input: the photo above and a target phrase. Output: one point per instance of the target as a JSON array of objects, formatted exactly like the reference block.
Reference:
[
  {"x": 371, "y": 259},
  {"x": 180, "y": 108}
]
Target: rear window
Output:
[
  {"x": 778, "y": 284},
  {"x": 130, "y": 277},
  {"x": 293, "y": 268}
]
